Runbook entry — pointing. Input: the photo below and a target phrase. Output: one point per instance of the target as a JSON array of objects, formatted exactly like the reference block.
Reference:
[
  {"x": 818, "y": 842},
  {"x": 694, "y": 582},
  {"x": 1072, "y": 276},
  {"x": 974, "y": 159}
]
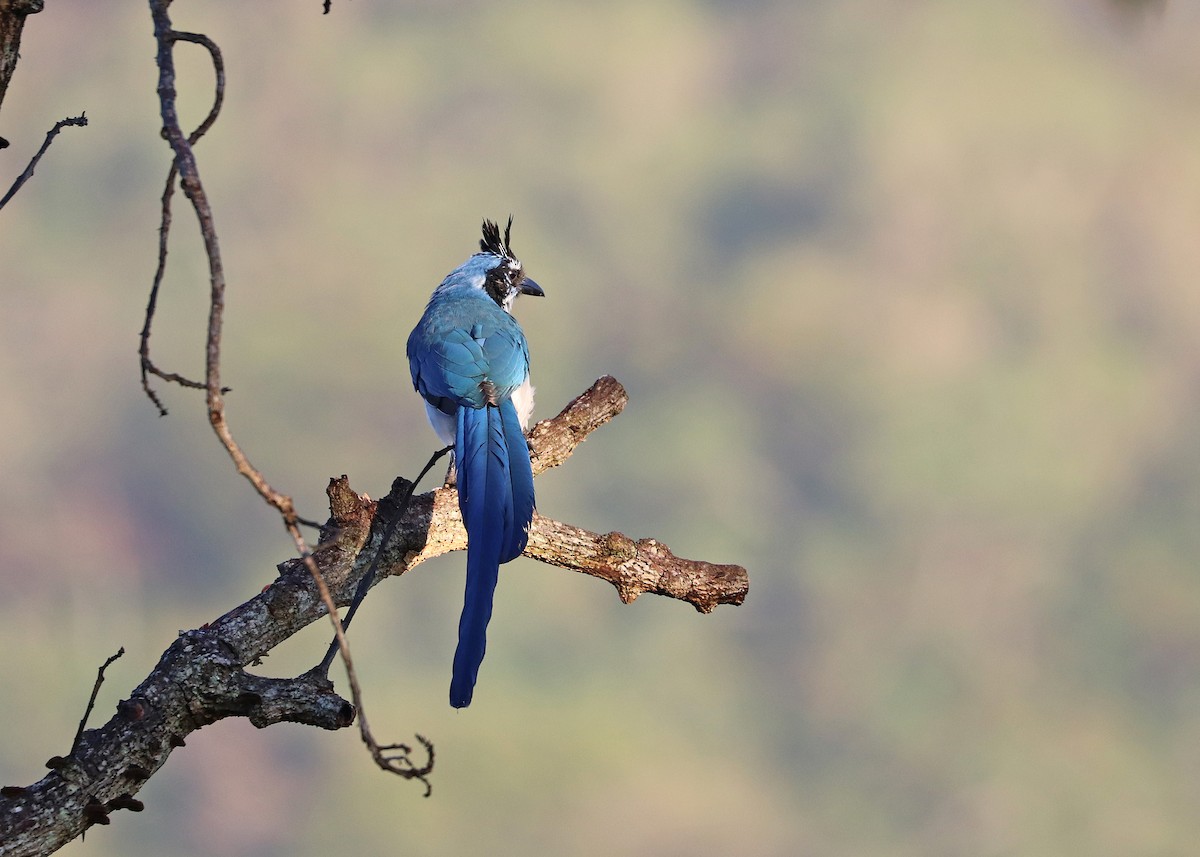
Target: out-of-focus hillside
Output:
[{"x": 905, "y": 299}]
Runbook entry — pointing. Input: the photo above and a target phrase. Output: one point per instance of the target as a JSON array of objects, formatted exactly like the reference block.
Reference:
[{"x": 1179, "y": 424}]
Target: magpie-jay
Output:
[{"x": 470, "y": 362}]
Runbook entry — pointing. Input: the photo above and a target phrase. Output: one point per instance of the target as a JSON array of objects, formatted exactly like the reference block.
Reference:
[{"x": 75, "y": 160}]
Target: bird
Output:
[{"x": 470, "y": 363}]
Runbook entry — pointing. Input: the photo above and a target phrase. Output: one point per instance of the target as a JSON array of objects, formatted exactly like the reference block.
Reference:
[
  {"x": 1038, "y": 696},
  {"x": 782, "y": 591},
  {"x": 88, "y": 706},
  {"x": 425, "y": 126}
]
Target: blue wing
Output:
[{"x": 465, "y": 351}]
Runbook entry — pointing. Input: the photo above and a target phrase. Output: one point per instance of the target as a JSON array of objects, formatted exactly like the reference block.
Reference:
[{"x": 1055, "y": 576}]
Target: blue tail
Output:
[{"x": 495, "y": 494}]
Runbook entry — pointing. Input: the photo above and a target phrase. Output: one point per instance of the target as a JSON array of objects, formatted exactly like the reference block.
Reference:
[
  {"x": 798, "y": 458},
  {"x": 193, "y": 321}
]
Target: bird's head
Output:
[{"x": 504, "y": 277}]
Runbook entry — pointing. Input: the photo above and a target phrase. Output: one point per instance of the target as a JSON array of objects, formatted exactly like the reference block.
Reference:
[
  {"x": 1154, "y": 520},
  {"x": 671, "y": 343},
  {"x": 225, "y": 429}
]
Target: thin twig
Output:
[
  {"x": 80, "y": 120},
  {"x": 395, "y": 758},
  {"x": 189, "y": 174},
  {"x": 92, "y": 699},
  {"x": 364, "y": 585},
  {"x": 218, "y": 69},
  {"x": 147, "y": 364},
  {"x": 193, "y": 189},
  {"x": 392, "y": 757}
]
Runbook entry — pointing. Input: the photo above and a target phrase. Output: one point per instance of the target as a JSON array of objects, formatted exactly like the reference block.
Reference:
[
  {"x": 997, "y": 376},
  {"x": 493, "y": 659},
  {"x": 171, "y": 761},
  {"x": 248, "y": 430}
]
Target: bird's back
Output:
[{"x": 465, "y": 346}]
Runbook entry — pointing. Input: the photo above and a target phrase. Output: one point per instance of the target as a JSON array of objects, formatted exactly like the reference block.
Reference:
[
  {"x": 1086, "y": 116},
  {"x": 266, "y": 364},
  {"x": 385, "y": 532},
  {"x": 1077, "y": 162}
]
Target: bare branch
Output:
[
  {"x": 164, "y": 231},
  {"x": 551, "y": 442},
  {"x": 87, "y": 712},
  {"x": 50, "y": 135},
  {"x": 432, "y": 525},
  {"x": 193, "y": 189},
  {"x": 202, "y": 677},
  {"x": 198, "y": 681}
]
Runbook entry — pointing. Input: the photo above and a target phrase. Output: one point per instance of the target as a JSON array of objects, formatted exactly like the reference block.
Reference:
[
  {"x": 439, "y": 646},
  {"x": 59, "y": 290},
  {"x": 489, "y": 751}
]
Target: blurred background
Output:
[{"x": 905, "y": 299}]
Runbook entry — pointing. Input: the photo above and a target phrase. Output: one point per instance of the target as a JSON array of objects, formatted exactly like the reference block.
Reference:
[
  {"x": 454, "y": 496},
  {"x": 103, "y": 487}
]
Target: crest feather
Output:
[{"x": 492, "y": 243}]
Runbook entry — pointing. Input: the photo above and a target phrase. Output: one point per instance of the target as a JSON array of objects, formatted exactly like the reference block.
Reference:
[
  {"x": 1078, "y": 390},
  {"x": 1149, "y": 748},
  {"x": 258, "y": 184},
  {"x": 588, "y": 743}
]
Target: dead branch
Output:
[
  {"x": 164, "y": 230},
  {"x": 193, "y": 189},
  {"x": 28, "y": 172},
  {"x": 433, "y": 525},
  {"x": 202, "y": 677}
]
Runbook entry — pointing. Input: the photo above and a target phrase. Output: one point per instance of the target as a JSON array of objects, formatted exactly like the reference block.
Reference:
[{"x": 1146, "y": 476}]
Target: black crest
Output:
[{"x": 492, "y": 243}]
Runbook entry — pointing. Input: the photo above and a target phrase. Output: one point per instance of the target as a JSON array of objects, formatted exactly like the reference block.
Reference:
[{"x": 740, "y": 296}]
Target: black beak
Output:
[{"x": 529, "y": 287}]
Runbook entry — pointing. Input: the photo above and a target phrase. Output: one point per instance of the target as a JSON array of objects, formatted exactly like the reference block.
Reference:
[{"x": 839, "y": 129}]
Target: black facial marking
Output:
[{"x": 504, "y": 279}]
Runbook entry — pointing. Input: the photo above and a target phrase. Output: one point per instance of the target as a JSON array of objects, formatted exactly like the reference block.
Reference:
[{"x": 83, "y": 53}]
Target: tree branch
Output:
[
  {"x": 432, "y": 525},
  {"x": 164, "y": 229},
  {"x": 28, "y": 173},
  {"x": 202, "y": 677}
]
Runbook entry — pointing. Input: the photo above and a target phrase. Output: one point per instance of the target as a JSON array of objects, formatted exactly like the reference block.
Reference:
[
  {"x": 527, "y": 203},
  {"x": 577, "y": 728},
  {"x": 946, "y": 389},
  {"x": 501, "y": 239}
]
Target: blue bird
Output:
[{"x": 470, "y": 362}]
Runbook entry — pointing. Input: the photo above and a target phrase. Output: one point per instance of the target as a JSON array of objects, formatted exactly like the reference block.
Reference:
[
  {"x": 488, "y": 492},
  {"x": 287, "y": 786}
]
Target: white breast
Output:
[
  {"x": 444, "y": 425},
  {"x": 522, "y": 399}
]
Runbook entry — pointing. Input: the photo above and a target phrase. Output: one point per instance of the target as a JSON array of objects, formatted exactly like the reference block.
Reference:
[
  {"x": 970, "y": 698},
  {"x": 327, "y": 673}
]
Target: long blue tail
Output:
[{"x": 495, "y": 494}]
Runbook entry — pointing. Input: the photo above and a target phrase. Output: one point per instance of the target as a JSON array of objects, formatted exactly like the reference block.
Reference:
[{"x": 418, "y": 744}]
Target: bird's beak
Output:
[{"x": 529, "y": 287}]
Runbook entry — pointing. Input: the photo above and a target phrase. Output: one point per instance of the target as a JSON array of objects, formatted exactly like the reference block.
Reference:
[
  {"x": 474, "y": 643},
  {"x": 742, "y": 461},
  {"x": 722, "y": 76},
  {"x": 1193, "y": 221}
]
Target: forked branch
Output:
[
  {"x": 433, "y": 526},
  {"x": 203, "y": 677}
]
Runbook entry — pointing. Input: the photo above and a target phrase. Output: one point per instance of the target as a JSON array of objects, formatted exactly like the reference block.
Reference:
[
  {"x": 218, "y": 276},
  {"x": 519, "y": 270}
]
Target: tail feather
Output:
[
  {"x": 495, "y": 494},
  {"x": 521, "y": 479}
]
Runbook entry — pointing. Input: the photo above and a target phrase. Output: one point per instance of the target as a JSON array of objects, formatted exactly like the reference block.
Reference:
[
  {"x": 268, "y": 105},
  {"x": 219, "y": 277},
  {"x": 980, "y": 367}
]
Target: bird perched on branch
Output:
[{"x": 470, "y": 362}]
